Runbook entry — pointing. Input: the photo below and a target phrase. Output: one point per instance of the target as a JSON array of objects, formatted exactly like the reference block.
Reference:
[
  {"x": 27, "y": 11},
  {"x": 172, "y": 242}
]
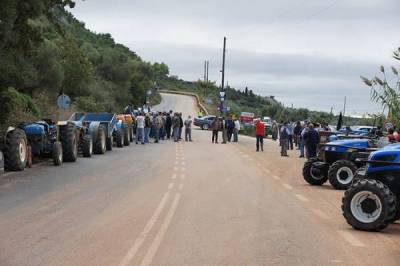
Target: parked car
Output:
[
  {"x": 268, "y": 125},
  {"x": 204, "y": 122}
]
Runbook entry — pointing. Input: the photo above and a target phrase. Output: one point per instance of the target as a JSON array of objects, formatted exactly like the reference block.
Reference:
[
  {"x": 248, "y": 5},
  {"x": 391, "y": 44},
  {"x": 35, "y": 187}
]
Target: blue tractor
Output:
[
  {"x": 373, "y": 201},
  {"x": 337, "y": 161}
]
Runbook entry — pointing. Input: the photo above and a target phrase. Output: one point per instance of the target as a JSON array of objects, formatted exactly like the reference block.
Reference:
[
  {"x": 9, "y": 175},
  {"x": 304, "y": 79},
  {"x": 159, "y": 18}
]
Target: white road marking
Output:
[
  {"x": 180, "y": 186},
  {"x": 320, "y": 214},
  {"x": 171, "y": 185},
  {"x": 142, "y": 237},
  {"x": 173, "y": 176},
  {"x": 148, "y": 258},
  {"x": 301, "y": 198},
  {"x": 351, "y": 239},
  {"x": 287, "y": 186},
  {"x": 182, "y": 176},
  {"x": 276, "y": 177}
]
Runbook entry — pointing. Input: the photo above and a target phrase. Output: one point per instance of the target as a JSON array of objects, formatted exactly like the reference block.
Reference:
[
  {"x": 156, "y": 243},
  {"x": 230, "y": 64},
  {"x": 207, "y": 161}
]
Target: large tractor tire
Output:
[
  {"x": 100, "y": 144},
  {"x": 341, "y": 174},
  {"x": 109, "y": 143},
  {"x": 69, "y": 143},
  {"x": 57, "y": 153},
  {"x": 369, "y": 205},
  {"x": 127, "y": 141},
  {"x": 119, "y": 138},
  {"x": 15, "y": 151},
  {"x": 310, "y": 177},
  {"x": 87, "y": 146}
]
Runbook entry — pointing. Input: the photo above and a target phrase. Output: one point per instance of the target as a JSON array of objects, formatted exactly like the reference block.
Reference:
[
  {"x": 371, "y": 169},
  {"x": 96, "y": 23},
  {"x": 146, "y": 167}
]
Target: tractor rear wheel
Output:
[
  {"x": 69, "y": 143},
  {"x": 341, "y": 174},
  {"x": 119, "y": 138},
  {"x": 369, "y": 205},
  {"x": 100, "y": 144},
  {"x": 15, "y": 151},
  {"x": 109, "y": 143},
  {"x": 309, "y": 175},
  {"x": 127, "y": 141},
  {"x": 57, "y": 153},
  {"x": 87, "y": 146}
]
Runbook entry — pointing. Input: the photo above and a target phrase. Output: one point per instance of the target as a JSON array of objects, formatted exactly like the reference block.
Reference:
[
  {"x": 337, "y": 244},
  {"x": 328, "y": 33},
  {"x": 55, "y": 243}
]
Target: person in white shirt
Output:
[
  {"x": 236, "y": 131},
  {"x": 140, "y": 128}
]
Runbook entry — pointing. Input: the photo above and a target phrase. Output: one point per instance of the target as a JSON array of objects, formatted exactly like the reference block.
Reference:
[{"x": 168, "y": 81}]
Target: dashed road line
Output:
[
  {"x": 148, "y": 258},
  {"x": 287, "y": 186},
  {"x": 130, "y": 255},
  {"x": 301, "y": 198},
  {"x": 352, "y": 240},
  {"x": 320, "y": 214},
  {"x": 276, "y": 177}
]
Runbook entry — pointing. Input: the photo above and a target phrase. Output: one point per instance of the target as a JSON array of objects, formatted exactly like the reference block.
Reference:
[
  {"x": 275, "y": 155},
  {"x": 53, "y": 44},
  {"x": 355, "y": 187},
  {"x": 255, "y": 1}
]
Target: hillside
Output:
[{"x": 46, "y": 51}]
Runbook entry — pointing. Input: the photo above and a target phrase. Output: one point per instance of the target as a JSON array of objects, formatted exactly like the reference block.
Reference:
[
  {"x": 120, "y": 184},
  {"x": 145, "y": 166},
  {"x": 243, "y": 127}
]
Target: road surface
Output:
[{"x": 181, "y": 204}]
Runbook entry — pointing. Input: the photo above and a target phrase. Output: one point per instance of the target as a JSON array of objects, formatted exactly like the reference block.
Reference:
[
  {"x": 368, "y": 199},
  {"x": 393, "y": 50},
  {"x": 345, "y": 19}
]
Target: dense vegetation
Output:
[{"x": 45, "y": 51}]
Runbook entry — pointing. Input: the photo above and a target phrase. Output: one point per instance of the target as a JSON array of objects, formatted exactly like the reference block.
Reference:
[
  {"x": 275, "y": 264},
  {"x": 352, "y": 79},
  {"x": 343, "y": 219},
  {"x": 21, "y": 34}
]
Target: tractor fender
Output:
[{"x": 93, "y": 130}]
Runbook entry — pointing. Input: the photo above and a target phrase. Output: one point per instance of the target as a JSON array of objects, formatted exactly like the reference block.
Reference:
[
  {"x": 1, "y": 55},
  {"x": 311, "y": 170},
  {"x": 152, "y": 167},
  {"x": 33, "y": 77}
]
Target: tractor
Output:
[
  {"x": 337, "y": 161},
  {"x": 126, "y": 123},
  {"x": 373, "y": 201},
  {"x": 104, "y": 129}
]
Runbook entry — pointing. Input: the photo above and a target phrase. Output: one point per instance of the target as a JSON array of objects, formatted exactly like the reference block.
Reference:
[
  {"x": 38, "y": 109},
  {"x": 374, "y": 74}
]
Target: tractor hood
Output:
[{"x": 355, "y": 143}]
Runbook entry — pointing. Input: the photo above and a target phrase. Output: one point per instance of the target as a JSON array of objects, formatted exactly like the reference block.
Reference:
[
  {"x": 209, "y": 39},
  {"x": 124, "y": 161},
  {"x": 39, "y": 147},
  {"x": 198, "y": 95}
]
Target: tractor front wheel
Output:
[
  {"x": 341, "y": 174},
  {"x": 310, "y": 174},
  {"x": 15, "y": 151},
  {"x": 369, "y": 205},
  {"x": 100, "y": 144},
  {"x": 57, "y": 153},
  {"x": 87, "y": 146},
  {"x": 119, "y": 138},
  {"x": 69, "y": 143}
]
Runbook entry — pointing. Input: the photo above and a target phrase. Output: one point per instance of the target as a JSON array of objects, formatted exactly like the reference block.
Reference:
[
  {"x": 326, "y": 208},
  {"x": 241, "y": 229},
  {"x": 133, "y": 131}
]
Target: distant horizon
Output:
[{"x": 309, "y": 55}]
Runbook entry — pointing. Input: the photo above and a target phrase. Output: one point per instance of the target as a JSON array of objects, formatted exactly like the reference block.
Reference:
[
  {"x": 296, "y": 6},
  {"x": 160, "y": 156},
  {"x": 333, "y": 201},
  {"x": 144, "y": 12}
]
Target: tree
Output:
[{"x": 386, "y": 94}]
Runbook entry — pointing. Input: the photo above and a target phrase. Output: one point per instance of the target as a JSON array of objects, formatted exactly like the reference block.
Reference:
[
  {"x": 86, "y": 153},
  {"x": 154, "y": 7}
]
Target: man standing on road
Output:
[
  {"x": 296, "y": 134},
  {"x": 284, "y": 138},
  {"x": 215, "y": 127},
  {"x": 140, "y": 128},
  {"x": 180, "y": 125},
  {"x": 175, "y": 127},
  {"x": 236, "y": 131},
  {"x": 224, "y": 130},
  {"x": 147, "y": 128},
  {"x": 230, "y": 127},
  {"x": 311, "y": 138},
  {"x": 260, "y": 134},
  {"x": 157, "y": 127},
  {"x": 168, "y": 125},
  {"x": 188, "y": 129}
]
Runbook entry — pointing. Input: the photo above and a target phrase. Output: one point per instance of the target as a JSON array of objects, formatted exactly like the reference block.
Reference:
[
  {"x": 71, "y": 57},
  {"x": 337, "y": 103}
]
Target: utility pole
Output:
[
  {"x": 208, "y": 65},
  {"x": 205, "y": 71},
  {"x": 222, "y": 92},
  {"x": 344, "y": 107}
]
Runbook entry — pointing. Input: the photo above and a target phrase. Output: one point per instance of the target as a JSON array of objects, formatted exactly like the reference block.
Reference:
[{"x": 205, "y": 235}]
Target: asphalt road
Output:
[{"x": 181, "y": 204}]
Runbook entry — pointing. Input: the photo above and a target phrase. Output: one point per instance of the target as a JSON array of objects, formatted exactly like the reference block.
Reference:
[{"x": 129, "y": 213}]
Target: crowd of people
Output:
[
  {"x": 302, "y": 136},
  {"x": 229, "y": 128},
  {"x": 162, "y": 126}
]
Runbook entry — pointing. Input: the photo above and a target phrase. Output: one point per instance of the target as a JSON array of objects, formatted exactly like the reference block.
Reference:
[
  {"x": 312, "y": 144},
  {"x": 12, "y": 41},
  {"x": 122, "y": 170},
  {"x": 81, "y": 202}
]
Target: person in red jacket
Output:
[{"x": 260, "y": 134}]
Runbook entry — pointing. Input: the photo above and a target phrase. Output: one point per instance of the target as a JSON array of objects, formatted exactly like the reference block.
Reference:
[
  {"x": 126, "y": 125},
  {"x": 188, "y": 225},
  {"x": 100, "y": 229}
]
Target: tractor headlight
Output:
[{"x": 330, "y": 148}]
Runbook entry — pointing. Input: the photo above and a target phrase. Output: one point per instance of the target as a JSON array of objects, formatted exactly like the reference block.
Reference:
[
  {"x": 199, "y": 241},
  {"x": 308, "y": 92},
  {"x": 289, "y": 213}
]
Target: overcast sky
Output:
[{"x": 306, "y": 53}]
